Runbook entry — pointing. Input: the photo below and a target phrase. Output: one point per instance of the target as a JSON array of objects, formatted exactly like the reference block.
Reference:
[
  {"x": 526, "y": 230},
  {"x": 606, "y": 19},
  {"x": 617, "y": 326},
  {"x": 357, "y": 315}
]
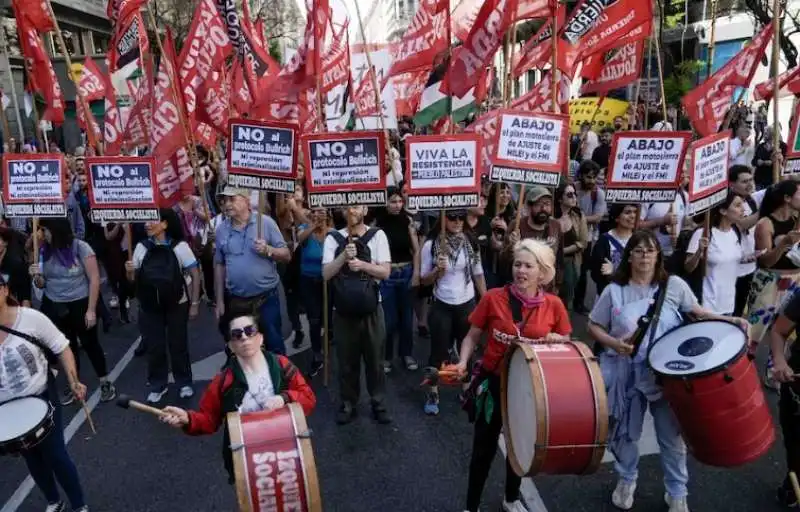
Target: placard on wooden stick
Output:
[
  {"x": 33, "y": 185},
  {"x": 708, "y": 172},
  {"x": 443, "y": 171},
  {"x": 122, "y": 189},
  {"x": 645, "y": 166},
  {"x": 262, "y": 155},
  {"x": 345, "y": 169}
]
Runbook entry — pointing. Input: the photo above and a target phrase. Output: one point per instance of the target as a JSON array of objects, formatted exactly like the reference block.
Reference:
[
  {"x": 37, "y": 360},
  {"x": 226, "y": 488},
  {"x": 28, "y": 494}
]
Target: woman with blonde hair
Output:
[{"x": 543, "y": 319}]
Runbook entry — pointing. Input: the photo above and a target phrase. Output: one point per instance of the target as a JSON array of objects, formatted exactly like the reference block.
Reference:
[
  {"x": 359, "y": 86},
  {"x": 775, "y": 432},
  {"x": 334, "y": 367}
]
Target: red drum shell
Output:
[
  {"x": 571, "y": 414},
  {"x": 273, "y": 461}
]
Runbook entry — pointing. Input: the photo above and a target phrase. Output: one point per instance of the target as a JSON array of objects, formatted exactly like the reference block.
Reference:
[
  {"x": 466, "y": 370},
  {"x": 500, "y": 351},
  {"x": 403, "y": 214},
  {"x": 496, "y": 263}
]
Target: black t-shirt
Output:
[{"x": 792, "y": 311}]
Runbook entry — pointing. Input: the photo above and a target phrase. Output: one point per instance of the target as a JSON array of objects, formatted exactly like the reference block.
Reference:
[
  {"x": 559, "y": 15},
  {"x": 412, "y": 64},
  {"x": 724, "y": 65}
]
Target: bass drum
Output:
[
  {"x": 712, "y": 385},
  {"x": 555, "y": 412},
  {"x": 273, "y": 461}
]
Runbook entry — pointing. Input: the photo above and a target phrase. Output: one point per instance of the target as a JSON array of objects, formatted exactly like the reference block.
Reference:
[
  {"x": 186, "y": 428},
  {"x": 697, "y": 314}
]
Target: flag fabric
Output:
[
  {"x": 707, "y": 104},
  {"x": 423, "y": 40},
  {"x": 621, "y": 69},
  {"x": 119, "y": 11},
  {"x": 365, "y": 95},
  {"x": 539, "y": 48},
  {"x": 466, "y": 13},
  {"x": 113, "y": 136},
  {"x": 408, "y": 89},
  {"x": 788, "y": 81},
  {"x": 36, "y": 12},
  {"x": 435, "y": 104},
  {"x": 212, "y": 105},
  {"x": 259, "y": 66},
  {"x": 128, "y": 44},
  {"x": 91, "y": 85},
  {"x": 336, "y": 62}
]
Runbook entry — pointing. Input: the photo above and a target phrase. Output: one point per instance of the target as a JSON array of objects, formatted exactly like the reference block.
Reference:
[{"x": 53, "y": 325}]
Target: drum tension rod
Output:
[{"x": 300, "y": 435}]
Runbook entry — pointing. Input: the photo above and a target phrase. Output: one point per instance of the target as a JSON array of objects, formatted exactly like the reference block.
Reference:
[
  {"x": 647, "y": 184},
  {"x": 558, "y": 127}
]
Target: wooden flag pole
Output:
[
  {"x": 776, "y": 53},
  {"x": 709, "y": 69},
  {"x": 554, "y": 84},
  {"x": 649, "y": 73},
  {"x": 20, "y": 127},
  {"x": 6, "y": 130}
]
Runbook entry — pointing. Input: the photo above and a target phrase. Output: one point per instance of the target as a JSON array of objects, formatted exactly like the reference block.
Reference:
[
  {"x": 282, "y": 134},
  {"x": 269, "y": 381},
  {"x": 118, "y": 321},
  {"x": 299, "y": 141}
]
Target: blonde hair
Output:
[{"x": 543, "y": 255}]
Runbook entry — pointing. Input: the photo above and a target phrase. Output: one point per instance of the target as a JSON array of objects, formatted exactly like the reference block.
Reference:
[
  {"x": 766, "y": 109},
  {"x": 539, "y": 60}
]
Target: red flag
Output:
[
  {"x": 365, "y": 96},
  {"x": 336, "y": 62},
  {"x": 140, "y": 115},
  {"x": 707, "y": 104},
  {"x": 308, "y": 115},
  {"x": 37, "y": 13},
  {"x": 539, "y": 48},
  {"x": 240, "y": 92},
  {"x": 486, "y": 126},
  {"x": 442, "y": 126},
  {"x": 212, "y": 107},
  {"x": 91, "y": 84},
  {"x": 205, "y": 135},
  {"x": 424, "y": 39},
  {"x": 618, "y": 71},
  {"x": 168, "y": 134},
  {"x": 205, "y": 50},
  {"x": 470, "y": 59},
  {"x": 789, "y": 79},
  {"x": 529, "y": 9},
  {"x": 118, "y": 11},
  {"x": 540, "y": 98},
  {"x": 484, "y": 85},
  {"x": 175, "y": 178},
  {"x": 93, "y": 132},
  {"x": 41, "y": 77},
  {"x": 113, "y": 135},
  {"x": 408, "y": 90},
  {"x": 466, "y": 13}
]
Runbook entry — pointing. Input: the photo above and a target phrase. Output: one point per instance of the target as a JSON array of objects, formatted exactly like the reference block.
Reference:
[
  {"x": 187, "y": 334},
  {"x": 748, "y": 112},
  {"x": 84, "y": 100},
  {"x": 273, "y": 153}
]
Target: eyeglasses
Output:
[
  {"x": 454, "y": 217},
  {"x": 644, "y": 251},
  {"x": 248, "y": 331}
]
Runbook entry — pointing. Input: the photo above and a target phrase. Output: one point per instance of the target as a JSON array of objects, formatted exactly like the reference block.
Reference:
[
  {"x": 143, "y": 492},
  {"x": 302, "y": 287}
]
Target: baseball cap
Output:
[
  {"x": 537, "y": 192},
  {"x": 233, "y": 192}
]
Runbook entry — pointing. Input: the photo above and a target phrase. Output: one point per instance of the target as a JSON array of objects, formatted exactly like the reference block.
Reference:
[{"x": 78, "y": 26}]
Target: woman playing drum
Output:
[
  {"x": 544, "y": 318},
  {"x": 252, "y": 380},
  {"x": 25, "y": 372},
  {"x": 614, "y": 323}
]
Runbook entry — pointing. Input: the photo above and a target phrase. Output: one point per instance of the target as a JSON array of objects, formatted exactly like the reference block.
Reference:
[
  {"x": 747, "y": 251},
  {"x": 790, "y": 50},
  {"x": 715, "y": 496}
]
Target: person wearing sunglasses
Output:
[
  {"x": 252, "y": 380},
  {"x": 452, "y": 264},
  {"x": 575, "y": 233}
]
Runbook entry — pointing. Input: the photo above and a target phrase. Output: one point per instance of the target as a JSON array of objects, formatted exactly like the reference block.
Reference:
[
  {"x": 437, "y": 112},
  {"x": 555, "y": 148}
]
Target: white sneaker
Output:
[
  {"x": 56, "y": 507},
  {"x": 155, "y": 396},
  {"x": 676, "y": 504},
  {"x": 514, "y": 506},
  {"x": 622, "y": 497},
  {"x": 186, "y": 392}
]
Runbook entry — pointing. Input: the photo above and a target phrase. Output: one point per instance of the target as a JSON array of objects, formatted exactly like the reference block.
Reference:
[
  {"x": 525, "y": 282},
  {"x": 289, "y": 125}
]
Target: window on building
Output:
[
  {"x": 100, "y": 43},
  {"x": 73, "y": 40}
]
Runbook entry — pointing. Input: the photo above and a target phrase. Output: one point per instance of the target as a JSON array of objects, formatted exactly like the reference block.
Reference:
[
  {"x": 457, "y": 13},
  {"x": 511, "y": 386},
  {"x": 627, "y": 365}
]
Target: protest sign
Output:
[
  {"x": 122, "y": 189},
  {"x": 530, "y": 148},
  {"x": 443, "y": 171},
  {"x": 790, "y": 167},
  {"x": 262, "y": 155},
  {"x": 345, "y": 169},
  {"x": 708, "y": 172},
  {"x": 33, "y": 185},
  {"x": 645, "y": 166}
]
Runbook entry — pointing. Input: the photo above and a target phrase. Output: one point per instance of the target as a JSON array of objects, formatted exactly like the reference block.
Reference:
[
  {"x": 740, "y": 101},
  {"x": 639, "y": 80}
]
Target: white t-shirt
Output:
[
  {"x": 722, "y": 269},
  {"x": 749, "y": 236},
  {"x": 589, "y": 145},
  {"x": 661, "y": 126},
  {"x": 23, "y": 366},
  {"x": 184, "y": 254},
  {"x": 452, "y": 288},
  {"x": 378, "y": 247},
  {"x": 654, "y": 211},
  {"x": 743, "y": 158},
  {"x": 259, "y": 389}
]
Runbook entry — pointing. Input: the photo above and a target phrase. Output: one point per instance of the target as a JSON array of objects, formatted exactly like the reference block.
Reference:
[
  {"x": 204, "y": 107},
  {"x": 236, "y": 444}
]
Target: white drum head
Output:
[
  {"x": 20, "y": 417},
  {"x": 696, "y": 348},
  {"x": 521, "y": 410}
]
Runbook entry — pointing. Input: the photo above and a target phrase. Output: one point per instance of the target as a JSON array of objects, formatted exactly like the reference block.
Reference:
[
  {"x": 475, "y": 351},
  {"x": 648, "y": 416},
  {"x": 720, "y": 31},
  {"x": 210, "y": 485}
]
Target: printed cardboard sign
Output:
[
  {"x": 530, "y": 148},
  {"x": 443, "y": 171},
  {"x": 122, "y": 189},
  {"x": 791, "y": 167},
  {"x": 345, "y": 169},
  {"x": 708, "y": 172},
  {"x": 33, "y": 185},
  {"x": 262, "y": 155},
  {"x": 645, "y": 166}
]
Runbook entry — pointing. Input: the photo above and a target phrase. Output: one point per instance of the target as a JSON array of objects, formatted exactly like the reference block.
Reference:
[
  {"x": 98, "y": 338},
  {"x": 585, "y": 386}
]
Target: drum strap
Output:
[
  {"x": 52, "y": 359},
  {"x": 516, "y": 311},
  {"x": 650, "y": 318}
]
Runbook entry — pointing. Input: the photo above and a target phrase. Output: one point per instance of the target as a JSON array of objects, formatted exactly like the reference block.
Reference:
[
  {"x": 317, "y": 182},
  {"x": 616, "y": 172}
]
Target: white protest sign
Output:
[
  {"x": 708, "y": 174},
  {"x": 33, "y": 185},
  {"x": 262, "y": 155},
  {"x": 381, "y": 59},
  {"x": 443, "y": 171}
]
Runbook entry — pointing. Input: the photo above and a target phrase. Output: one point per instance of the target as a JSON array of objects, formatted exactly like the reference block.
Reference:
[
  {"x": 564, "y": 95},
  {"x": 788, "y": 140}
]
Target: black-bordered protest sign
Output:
[
  {"x": 122, "y": 189},
  {"x": 708, "y": 172},
  {"x": 645, "y": 166},
  {"x": 529, "y": 148},
  {"x": 791, "y": 167},
  {"x": 443, "y": 171},
  {"x": 34, "y": 185},
  {"x": 262, "y": 155},
  {"x": 345, "y": 169}
]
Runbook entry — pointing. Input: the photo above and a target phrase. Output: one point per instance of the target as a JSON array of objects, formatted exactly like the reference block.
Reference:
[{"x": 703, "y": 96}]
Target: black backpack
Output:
[
  {"x": 355, "y": 294},
  {"x": 160, "y": 282}
]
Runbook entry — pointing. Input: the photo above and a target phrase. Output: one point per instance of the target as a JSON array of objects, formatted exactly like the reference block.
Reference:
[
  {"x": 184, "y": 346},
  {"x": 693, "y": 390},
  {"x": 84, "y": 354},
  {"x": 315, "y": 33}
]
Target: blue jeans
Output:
[
  {"x": 270, "y": 322},
  {"x": 398, "y": 311},
  {"x": 673, "y": 451},
  {"x": 49, "y": 461}
]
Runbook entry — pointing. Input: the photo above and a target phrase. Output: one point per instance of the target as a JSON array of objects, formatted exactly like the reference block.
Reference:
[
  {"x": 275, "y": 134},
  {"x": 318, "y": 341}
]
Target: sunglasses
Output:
[
  {"x": 456, "y": 217},
  {"x": 244, "y": 333}
]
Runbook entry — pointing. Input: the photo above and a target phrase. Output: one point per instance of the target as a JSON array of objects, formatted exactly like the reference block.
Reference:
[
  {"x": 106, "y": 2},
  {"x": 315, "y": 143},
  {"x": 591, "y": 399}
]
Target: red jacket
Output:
[{"x": 225, "y": 393}]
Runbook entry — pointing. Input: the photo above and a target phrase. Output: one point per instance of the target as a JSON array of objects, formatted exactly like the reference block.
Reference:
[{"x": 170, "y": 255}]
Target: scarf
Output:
[
  {"x": 527, "y": 301},
  {"x": 455, "y": 243}
]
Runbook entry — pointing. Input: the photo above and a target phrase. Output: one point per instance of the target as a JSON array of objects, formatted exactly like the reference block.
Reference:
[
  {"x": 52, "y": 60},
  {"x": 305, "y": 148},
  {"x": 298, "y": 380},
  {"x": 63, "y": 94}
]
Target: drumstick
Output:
[
  {"x": 125, "y": 402},
  {"x": 795, "y": 485},
  {"x": 88, "y": 416}
]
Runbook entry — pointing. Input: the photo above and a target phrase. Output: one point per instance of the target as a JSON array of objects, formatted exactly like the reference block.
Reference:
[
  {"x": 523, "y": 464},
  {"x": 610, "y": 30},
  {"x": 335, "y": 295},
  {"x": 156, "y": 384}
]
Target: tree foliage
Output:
[{"x": 682, "y": 80}]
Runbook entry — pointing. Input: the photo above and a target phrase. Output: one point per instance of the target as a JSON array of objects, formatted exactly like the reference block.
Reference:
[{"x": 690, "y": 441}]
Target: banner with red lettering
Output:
[
  {"x": 212, "y": 105},
  {"x": 408, "y": 89},
  {"x": 113, "y": 136},
  {"x": 37, "y": 13},
  {"x": 618, "y": 71},
  {"x": 336, "y": 62},
  {"x": 788, "y": 81},
  {"x": 539, "y": 48},
  {"x": 424, "y": 39},
  {"x": 466, "y": 13},
  {"x": 365, "y": 95},
  {"x": 91, "y": 85},
  {"x": 41, "y": 75},
  {"x": 470, "y": 59},
  {"x": 707, "y": 104}
]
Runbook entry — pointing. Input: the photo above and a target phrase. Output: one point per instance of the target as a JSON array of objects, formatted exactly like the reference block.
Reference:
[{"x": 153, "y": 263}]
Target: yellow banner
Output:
[{"x": 585, "y": 109}]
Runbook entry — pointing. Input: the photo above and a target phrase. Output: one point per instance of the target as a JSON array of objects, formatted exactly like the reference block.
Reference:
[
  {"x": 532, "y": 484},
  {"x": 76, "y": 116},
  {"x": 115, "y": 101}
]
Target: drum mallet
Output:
[
  {"x": 125, "y": 402},
  {"x": 795, "y": 485},
  {"x": 88, "y": 416}
]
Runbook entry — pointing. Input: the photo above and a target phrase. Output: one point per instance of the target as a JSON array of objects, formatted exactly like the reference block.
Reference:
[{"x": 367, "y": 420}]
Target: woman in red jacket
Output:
[{"x": 252, "y": 380}]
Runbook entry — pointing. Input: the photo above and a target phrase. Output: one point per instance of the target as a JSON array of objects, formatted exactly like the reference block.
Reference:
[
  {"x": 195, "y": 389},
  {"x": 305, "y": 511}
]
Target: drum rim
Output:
[
  {"x": 600, "y": 407},
  {"x": 309, "y": 464},
  {"x": 234, "y": 421},
  {"x": 47, "y": 422},
  {"x": 708, "y": 371}
]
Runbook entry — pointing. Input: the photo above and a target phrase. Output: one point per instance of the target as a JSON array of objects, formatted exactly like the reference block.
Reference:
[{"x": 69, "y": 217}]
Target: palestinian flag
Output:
[{"x": 435, "y": 104}]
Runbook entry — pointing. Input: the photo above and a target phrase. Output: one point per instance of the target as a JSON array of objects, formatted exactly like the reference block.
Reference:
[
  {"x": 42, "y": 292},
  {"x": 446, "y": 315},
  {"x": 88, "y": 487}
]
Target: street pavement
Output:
[{"x": 416, "y": 464}]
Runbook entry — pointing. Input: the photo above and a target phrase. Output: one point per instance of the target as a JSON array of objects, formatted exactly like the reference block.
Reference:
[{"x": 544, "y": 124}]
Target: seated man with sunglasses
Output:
[{"x": 252, "y": 380}]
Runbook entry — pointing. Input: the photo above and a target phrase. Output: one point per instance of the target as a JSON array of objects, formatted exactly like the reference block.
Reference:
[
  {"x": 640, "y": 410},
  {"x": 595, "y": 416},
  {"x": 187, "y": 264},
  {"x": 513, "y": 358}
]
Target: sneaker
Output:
[
  {"x": 514, "y": 506},
  {"x": 84, "y": 508},
  {"x": 411, "y": 363},
  {"x": 786, "y": 496},
  {"x": 56, "y": 507},
  {"x": 186, "y": 392},
  {"x": 387, "y": 367},
  {"x": 770, "y": 382},
  {"x": 113, "y": 302},
  {"x": 432, "y": 404},
  {"x": 107, "y": 391},
  {"x": 299, "y": 337},
  {"x": 346, "y": 414},
  {"x": 381, "y": 415},
  {"x": 622, "y": 498},
  {"x": 67, "y": 397},
  {"x": 676, "y": 504},
  {"x": 316, "y": 366},
  {"x": 155, "y": 396}
]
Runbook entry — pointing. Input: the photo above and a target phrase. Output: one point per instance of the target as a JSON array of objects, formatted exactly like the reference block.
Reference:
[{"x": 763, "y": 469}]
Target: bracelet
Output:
[{"x": 195, "y": 303}]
